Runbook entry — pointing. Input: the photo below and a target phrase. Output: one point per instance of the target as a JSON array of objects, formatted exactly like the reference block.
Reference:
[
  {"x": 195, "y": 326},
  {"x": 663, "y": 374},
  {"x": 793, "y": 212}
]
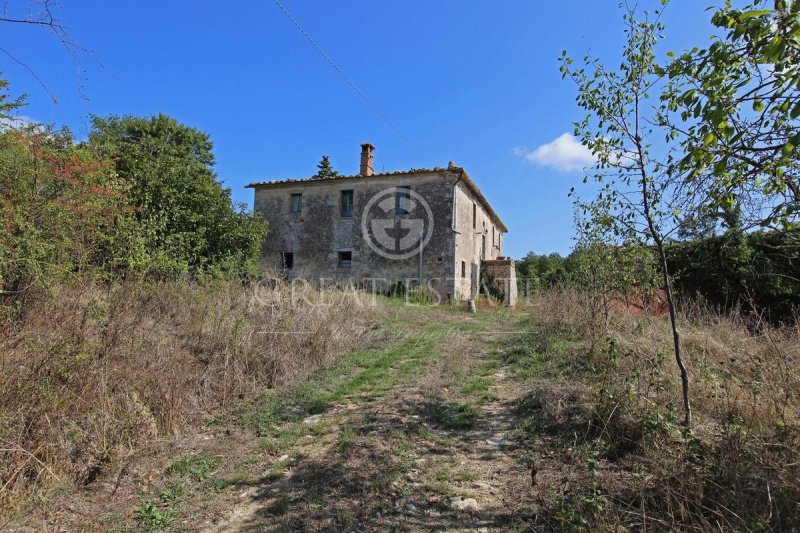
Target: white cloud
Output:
[
  {"x": 564, "y": 153},
  {"x": 16, "y": 121}
]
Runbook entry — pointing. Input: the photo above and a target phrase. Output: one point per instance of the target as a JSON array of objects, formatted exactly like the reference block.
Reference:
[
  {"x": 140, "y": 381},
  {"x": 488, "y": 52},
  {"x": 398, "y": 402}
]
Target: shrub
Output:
[{"x": 58, "y": 209}]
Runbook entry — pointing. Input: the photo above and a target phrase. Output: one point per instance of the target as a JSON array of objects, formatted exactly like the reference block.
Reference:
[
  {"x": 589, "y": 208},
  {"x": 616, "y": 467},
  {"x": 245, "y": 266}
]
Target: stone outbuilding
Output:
[{"x": 421, "y": 226}]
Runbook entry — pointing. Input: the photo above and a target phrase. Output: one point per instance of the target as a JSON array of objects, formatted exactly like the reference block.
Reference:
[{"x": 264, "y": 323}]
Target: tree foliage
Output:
[
  {"x": 757, "y": 271},
  {"x": 58, "y": 207},
  {"x": 715, "y": 129},
  {"x": 139, "y": 197},
  {"x": 734, "y": 105},
  {"x": 325, "y": 169},
  {"x": 185, "y": 218},
  {"x": 641, "y": 201},
  {"x": 541, "y": 271}
]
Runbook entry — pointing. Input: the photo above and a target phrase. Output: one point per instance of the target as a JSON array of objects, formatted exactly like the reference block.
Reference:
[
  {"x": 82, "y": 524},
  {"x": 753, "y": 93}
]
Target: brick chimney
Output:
[{"x": 367, "y": 156}]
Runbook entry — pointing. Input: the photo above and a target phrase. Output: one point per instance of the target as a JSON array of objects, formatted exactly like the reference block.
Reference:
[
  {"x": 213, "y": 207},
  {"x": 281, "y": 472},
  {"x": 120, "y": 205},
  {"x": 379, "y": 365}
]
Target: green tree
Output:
[
  {"x": 324, "y": 168},
  {"x": 642, "y": 201},
  {"x": 58, "y": 204},
  {"x": 185, "y": 219},
  {"x": 541, "y": 271},
  {"x": 8, "y": 103},
  {"x": 735, "y": 107}
]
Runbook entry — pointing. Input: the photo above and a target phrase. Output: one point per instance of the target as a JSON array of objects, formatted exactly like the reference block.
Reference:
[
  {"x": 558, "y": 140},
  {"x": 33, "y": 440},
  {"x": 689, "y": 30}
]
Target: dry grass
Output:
[
  {"x": 92, "y": 373},
  {"x": 739, "y": 467},
  {"x": 739, "y": 370}
]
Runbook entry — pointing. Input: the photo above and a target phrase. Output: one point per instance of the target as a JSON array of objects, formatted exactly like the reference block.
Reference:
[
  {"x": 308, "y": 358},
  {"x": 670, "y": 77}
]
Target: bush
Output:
[{"x": 758, "y": 271}]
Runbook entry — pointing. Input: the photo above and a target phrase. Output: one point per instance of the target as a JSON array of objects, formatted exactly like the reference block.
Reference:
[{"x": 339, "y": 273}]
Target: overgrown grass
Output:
[
  {"x": 478, "y": 386},
  {"x": 92, "y": 373},
  {"x": 346, "y": 439},
  {"x": 615, "y": 401},
  {"x": 281, "y": 506}
]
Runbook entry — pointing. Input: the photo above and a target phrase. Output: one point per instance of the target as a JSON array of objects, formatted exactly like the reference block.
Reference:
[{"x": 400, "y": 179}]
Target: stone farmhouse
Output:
[{"x": 428, "y": 226}]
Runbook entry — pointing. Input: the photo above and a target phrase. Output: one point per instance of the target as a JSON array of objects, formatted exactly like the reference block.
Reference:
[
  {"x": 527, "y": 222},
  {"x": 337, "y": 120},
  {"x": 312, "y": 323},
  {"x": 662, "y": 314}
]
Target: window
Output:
[
  {"x": 474, "y": 215},
  {"x": 347, "y": 204},
  {"x": 288, "y": 260},
  {"x": 345, "y": 259},
  {"x": 402, "y": 200},
  {"x": 463, "y": 269},
  {"x": 492, "y": 235},
  {"x": 297, "y": 202}
]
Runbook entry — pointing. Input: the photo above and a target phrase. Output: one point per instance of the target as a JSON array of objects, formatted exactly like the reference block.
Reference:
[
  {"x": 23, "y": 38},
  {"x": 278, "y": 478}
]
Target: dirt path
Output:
[
  {"x": 414, "y": 435},
  {"x": 415, "y": 457}
]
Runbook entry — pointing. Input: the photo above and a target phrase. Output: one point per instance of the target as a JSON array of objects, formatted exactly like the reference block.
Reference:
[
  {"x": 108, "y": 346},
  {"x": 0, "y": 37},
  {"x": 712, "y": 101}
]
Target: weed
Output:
[
  {"x": 218, "y": 485},
  {"x": 465, "y": 475},
  {"x": 611, "y": 398},
  {"x": 172, "y": 493},
  {"x": 404, "y": 452},
  {"x": 171, "y": 354},
  {"x": 279, "y": 439},
  {"x": 155, "y": 517},
  {"x": 346, "y": 437},
  {"x": 297, "y": 455},
  {"x": 280, "y": 507},
  {"x": 383, "y": 479},
  {"x": 270, "y": 445},
  {"x": 277, "y": 470},
  {"x": 478, "y": 386},
  {"x": 343, "y": 518},
  {"x": 195, "y": 466},
  {"x": 434, "y": 437},
  {"x": 441, "y": 488},
  {"x": 450, "y": 415},
  {"x": 580, "y": 511}
]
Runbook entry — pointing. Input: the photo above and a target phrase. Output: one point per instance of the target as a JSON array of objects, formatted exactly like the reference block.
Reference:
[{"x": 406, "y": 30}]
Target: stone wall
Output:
[
  {"x": 469, "y": 241},
  {"x": 504, "y": 274},
  {"x": 317, "y": 234}
]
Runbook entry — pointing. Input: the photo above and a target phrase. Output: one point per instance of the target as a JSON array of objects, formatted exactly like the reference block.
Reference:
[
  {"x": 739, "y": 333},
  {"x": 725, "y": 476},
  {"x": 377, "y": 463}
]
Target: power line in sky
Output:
[{"x": 349, "y": 81}]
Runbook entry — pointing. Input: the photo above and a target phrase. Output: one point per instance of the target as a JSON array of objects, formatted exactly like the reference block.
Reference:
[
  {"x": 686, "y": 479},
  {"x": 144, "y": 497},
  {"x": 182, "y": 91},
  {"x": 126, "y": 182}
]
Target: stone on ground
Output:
[{"x": 464, "y": 504}]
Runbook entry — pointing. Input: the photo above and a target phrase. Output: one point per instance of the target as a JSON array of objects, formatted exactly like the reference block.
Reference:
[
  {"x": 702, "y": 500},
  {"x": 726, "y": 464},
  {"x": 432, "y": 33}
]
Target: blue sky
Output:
[{"x": 468, "y": 81}]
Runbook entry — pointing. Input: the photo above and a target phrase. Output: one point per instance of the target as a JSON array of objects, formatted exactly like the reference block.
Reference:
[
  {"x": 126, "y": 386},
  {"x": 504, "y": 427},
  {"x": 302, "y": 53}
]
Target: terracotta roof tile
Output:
[
  {"x": 463, "y": 176},
  {"x": 335, "y": 178}
]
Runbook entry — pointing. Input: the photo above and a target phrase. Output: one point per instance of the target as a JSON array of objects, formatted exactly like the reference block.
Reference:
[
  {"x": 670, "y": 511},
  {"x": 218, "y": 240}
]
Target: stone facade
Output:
[{"x": 319, "y": 231}]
